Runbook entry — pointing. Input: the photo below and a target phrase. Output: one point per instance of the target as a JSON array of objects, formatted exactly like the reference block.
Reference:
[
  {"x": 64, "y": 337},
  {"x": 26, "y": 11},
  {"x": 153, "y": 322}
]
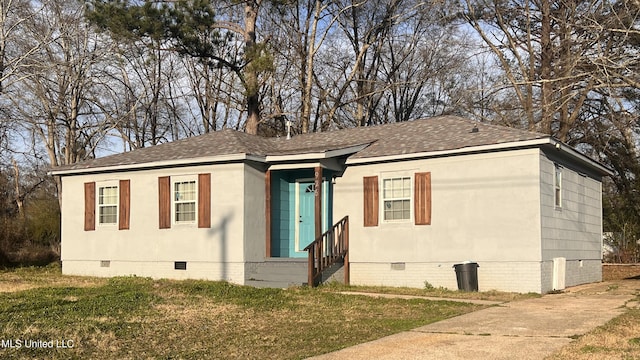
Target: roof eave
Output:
[
  {"x": 560, "y": 146},
  {"x": 161, "y": 164},
  {"x": 463, "y": 150},
  {"x": 491, "y": 147},
  {"x": 319, "y": 155}
]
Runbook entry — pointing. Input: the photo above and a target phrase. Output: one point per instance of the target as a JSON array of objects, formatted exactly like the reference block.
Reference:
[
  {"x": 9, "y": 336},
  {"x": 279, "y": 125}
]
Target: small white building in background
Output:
[{"x": 420, "y": 197}]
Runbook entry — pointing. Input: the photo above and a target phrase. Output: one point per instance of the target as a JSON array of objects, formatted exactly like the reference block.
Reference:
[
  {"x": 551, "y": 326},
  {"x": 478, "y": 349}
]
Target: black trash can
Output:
[{"x": 467, "y": 276}]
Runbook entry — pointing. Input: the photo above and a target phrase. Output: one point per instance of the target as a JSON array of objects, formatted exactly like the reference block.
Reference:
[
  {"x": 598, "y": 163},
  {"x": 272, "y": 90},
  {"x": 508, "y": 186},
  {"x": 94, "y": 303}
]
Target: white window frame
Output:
[
  {"x": 100, "y": 207},
  {"x": 557, "y": 186},
  {"x": 174, "y": 201},
  {"x": 410, "y": 197}
]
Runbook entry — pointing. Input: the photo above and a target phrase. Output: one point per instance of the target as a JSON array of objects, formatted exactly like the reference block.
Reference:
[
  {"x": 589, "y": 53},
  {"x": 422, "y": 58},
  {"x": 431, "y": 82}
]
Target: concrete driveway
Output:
[{"x": 526, "y": 329}]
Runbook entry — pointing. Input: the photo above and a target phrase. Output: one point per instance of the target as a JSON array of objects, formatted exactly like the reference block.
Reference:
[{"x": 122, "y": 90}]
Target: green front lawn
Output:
[{"x": 138, "y": 318}]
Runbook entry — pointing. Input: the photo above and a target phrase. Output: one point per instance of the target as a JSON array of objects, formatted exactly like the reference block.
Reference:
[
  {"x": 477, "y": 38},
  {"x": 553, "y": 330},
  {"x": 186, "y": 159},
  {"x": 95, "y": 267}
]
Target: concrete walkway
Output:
[
  {"x": 394, "y": 296},
  {"x": 526, "y": 329}
]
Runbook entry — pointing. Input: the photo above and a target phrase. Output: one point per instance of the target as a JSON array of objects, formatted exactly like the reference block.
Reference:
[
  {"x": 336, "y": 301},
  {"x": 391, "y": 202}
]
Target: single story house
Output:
[{"x": 396, "y": 205}]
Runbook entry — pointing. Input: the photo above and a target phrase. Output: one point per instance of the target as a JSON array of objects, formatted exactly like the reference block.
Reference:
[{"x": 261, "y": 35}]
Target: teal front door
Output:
[{"x": 306, "y": 228}]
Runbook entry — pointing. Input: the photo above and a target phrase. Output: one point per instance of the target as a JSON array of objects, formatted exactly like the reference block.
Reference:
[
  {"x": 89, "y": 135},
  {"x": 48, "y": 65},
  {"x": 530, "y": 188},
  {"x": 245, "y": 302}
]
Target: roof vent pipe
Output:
[
  {"x": 288, "y": 124},
  {"x": 475, "y": 129}
]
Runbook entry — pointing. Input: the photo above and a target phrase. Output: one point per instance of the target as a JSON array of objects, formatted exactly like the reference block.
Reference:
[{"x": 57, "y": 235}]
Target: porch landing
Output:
[{"x": 286, "y": 272}]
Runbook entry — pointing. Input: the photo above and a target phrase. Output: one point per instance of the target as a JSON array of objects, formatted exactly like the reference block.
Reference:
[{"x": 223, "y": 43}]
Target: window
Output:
[
  {"x": 184, "y": 196},
  {"x": 112, "y": 201},
  {"x": 108, "y": 205},
  {"x": 398, "y": 200},
  {"x": 557, "y": 194},
  {"x": 184, "y": 200},
  {"x": 396, "y": 196}
]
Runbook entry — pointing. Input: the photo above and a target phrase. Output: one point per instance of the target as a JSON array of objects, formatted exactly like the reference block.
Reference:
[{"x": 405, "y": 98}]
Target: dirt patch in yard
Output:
[
  {"x": 20, "y": 279},
  {"x": 620, "y": 271}
]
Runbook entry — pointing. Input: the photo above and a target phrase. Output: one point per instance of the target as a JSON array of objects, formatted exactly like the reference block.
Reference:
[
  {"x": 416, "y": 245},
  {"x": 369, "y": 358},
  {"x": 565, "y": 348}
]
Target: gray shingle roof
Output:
[{"x": 433, "y": 134}]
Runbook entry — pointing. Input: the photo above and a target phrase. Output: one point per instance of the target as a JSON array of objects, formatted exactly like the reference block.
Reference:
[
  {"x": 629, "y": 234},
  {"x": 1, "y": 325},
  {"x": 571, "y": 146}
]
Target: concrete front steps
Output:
[
  {"x": 277, "y": 273},
  {"x": 286, "y": 272}
]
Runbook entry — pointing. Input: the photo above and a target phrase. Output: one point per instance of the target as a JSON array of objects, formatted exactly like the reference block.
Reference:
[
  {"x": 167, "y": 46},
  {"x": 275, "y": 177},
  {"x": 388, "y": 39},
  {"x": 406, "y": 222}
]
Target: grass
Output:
[
  {"x": 140, "y": 318},
  {"x": 25, "y": 278},
  {"x": 617, "y": 339}
]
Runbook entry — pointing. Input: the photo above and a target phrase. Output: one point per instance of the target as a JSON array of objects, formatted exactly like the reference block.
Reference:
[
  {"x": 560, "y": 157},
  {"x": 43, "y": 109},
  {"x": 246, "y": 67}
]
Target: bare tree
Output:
[
  {"x": 145, "y": 101},
  {"x": 365, "y": 26},
  {"x": 425, "y": 65},
  {"x": 390, "y": 61},
  {"x": 15, "y": 48},
  {"x": 55, "y": 99},
  {"x": 293, "y": 29},
  {"x": 362, "y": 62},
  {"x": 298, "y": 32},
  {"x": 215, "y": 90},
  {"x": 556, "y": 55}
]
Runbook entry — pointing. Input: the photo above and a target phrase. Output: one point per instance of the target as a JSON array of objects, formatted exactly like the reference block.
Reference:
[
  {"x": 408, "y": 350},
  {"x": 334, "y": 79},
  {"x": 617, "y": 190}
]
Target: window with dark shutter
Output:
[
  {"x": 204, "y": 200},
  {"x": 164, "y": 203},
  {"x": 89, "y": 206},
  {"x": 370, "y": 187},
  {"x": 422, "y": 191}
]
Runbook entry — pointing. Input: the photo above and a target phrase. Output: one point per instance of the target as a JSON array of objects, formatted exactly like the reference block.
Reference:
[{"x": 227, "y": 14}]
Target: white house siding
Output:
[
  {"x": 485, "y": 208},
  {"x": 214, "y": 253},
  {"x": 574, "y": 230},
  {"x": 254, "y": 214}
]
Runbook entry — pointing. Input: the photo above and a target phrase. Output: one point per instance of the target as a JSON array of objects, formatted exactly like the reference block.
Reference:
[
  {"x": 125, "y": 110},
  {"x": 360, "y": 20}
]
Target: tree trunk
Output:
[
  {"x": 546, "y": 56},
  {"x": 308, "y": 69},
  {"x": 18, "y": 195},
  {"x": 251, "y": 73}
]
